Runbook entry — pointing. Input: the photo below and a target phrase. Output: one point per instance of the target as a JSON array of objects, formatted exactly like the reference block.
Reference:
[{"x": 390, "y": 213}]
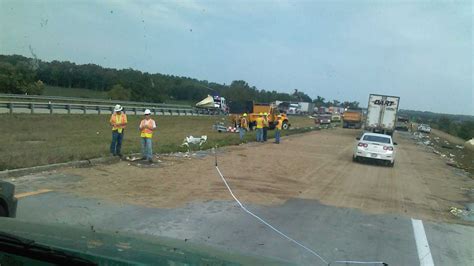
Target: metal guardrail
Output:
[
  {"x": 70, "y": 108},
  {"x": 61, "y": 99}
]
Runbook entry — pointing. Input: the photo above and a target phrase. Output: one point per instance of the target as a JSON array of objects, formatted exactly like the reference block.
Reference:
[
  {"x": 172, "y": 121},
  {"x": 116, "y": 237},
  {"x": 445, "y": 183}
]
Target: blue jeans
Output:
[
  {"x": 264, "y": 136},
  {"x": 116, "y": 144},
  {"x": 259, "y": 134},
  {"x": 146, "y": 148},
  {"x": 277, "y": 135},
  {"x": 242, "y": 133}
]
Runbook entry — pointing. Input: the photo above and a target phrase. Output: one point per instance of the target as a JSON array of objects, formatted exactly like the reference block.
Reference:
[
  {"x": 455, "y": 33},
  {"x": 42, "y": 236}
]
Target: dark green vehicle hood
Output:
[{"x": 120, "y": 248}]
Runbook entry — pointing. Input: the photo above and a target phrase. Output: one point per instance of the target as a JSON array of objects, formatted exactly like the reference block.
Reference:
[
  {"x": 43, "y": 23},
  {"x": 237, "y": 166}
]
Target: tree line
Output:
[{"x": 20, "y": 75}]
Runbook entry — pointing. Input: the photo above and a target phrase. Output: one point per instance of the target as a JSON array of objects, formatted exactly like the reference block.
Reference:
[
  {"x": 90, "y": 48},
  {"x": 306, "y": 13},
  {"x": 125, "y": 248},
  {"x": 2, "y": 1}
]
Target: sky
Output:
[{"x": 421, "y": 51}]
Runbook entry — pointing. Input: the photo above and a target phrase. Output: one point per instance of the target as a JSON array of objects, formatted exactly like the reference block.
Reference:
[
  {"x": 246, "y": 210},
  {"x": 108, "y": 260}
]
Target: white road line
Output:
[{"x": 424, "y": 253}]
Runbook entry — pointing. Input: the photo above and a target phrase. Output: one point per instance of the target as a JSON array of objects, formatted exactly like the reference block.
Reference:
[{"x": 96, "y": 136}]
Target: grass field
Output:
[{"x": 31, "y": 140}]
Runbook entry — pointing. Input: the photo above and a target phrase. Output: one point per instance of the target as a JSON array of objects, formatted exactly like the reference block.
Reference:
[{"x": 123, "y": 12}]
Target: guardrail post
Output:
[
  {"x": 68, "y": 107},
  {"x": 98, "y": 109},
  {"x": 10, "y": 106},
  {"x": 32, "y": 108},
  {"x": 112, "y": 110},
  {"x": 171, "y": 111},
  {"x": 154, "y": 111},
  {"x": 135, "y": 110},
  {"x": 50, "y": 107},
  {"x": 84, "y": 108}
]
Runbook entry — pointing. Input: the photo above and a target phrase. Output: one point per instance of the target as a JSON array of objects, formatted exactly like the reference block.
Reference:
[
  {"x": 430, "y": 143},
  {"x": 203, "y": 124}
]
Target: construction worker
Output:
[
  {"x": 278, "y": 126},
  {"x": 147, "y": 126},
  {"x": 244, "y": 126},
  {"x": 259, "y": 122},
  {"x": 265, "y": 126},
  {"x": 118, "y": 121}
]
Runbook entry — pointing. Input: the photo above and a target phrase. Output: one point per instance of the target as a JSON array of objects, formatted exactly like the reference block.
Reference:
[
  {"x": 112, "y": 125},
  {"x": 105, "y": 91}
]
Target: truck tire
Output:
[
  {"x": 3, "y": 211},
  {"x": 285, "y": 125}
]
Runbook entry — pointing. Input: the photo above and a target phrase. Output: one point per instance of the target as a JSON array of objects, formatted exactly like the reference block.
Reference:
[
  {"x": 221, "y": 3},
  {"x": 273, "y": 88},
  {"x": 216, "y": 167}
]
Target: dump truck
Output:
[
  {"x": 253, "y": 110},
  {"x": 402, "y": 123},
  {"x": 382, "y": 113},
  {"x": 352, "y": 119}
]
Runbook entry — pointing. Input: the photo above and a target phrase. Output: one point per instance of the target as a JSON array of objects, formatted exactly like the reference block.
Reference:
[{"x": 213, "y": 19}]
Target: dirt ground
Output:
[{"x": 314, "y": 165}]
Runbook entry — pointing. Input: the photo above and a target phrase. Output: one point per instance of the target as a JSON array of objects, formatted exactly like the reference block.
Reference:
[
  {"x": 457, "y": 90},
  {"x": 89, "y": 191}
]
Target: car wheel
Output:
[
  {"x": 391, "y": 164},
  {"x": 285, "y": 125},
  {"x": 355, "y": 159}
]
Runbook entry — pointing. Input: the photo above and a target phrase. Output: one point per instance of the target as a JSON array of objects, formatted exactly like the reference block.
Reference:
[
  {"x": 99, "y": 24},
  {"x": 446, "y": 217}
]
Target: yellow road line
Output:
[{"x": 32, "y": 193}]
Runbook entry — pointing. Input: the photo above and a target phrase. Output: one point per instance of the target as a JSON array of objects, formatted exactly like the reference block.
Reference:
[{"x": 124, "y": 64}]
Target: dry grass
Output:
[{"x": 30, "y": 140}]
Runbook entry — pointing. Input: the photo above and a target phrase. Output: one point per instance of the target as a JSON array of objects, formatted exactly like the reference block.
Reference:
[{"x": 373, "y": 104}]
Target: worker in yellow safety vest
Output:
[
  {"x": 147, "y": 126},
  {"x": 260, "y": 123},
  {"x": 118, "y": 121},
  {"x": 244, "y": 126},
  {"x": 265, "y": 126},
  {"x": 278, "y": 127}
]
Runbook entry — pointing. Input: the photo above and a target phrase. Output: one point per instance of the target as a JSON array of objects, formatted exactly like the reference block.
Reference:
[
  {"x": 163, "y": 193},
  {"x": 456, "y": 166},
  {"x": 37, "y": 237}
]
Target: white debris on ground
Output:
[
  {"x": 435, "y": 145},
  {"x": 194, "y": 141},
  {"x": 460, "y": 212}
]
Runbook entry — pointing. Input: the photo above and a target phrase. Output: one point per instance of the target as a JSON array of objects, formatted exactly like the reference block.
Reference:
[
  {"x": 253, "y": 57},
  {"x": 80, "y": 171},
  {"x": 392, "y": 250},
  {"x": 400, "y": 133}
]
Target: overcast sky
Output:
[{"x": 421, "y": 51}]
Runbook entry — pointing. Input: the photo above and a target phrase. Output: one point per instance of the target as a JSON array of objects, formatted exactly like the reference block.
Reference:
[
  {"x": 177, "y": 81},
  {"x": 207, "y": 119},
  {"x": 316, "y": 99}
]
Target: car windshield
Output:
[
  {"x": 255, "y": 132},
  {"x": 378, "y": 139}
]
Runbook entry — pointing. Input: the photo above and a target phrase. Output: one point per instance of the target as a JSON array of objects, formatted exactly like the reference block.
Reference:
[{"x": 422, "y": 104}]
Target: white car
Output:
[
  {"x": 375, "y": 146},
  {"x": 424, "y": 128}
]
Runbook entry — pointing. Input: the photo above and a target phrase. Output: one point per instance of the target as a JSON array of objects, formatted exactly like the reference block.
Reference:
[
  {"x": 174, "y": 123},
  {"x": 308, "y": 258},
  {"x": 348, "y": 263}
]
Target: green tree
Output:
[
  {"x": 444, "y": 123},
  {"x": 35, "y": 88},
  {"x": 319, "y": 101},
  {"x": 118, "y": 92}
]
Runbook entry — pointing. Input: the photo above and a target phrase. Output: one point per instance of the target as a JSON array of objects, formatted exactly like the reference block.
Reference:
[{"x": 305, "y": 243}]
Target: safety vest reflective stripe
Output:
[
  {"x": 118, "y": 120},
  {"x": 147, "y": 132}
]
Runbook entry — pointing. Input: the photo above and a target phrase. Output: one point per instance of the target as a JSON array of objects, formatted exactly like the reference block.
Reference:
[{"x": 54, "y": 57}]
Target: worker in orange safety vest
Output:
[
  {"x": 278, "y": 127},
  {"x": 147, "y": 126},
  {"x": 118, "y": 121},
  {"x": 244, "y": 126}
]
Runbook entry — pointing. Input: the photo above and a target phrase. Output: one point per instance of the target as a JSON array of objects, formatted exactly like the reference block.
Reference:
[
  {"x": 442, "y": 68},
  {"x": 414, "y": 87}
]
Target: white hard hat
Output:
[
  {"x": 118, "y": 108},
  {"x": 147, "y": 112}
]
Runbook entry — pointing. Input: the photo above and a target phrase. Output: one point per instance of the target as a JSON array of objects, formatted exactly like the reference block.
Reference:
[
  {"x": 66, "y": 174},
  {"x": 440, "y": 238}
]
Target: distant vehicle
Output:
[
  {"x": 213, "y": 103},
  {"x": 375, "y": 146},
  {"x": 352, "y": 119},
  {"x": 424, "y": 128},
  {"x": 335, "y": 118},
  {"x": 294, "y": 108},
  {"x": 324, "y": 119},
  {"x": 382, "y": 113},
  {"x": 402, "y": 123},
  {"x": 306, "y": 108},
  {"x": 8, "y": 202}
]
